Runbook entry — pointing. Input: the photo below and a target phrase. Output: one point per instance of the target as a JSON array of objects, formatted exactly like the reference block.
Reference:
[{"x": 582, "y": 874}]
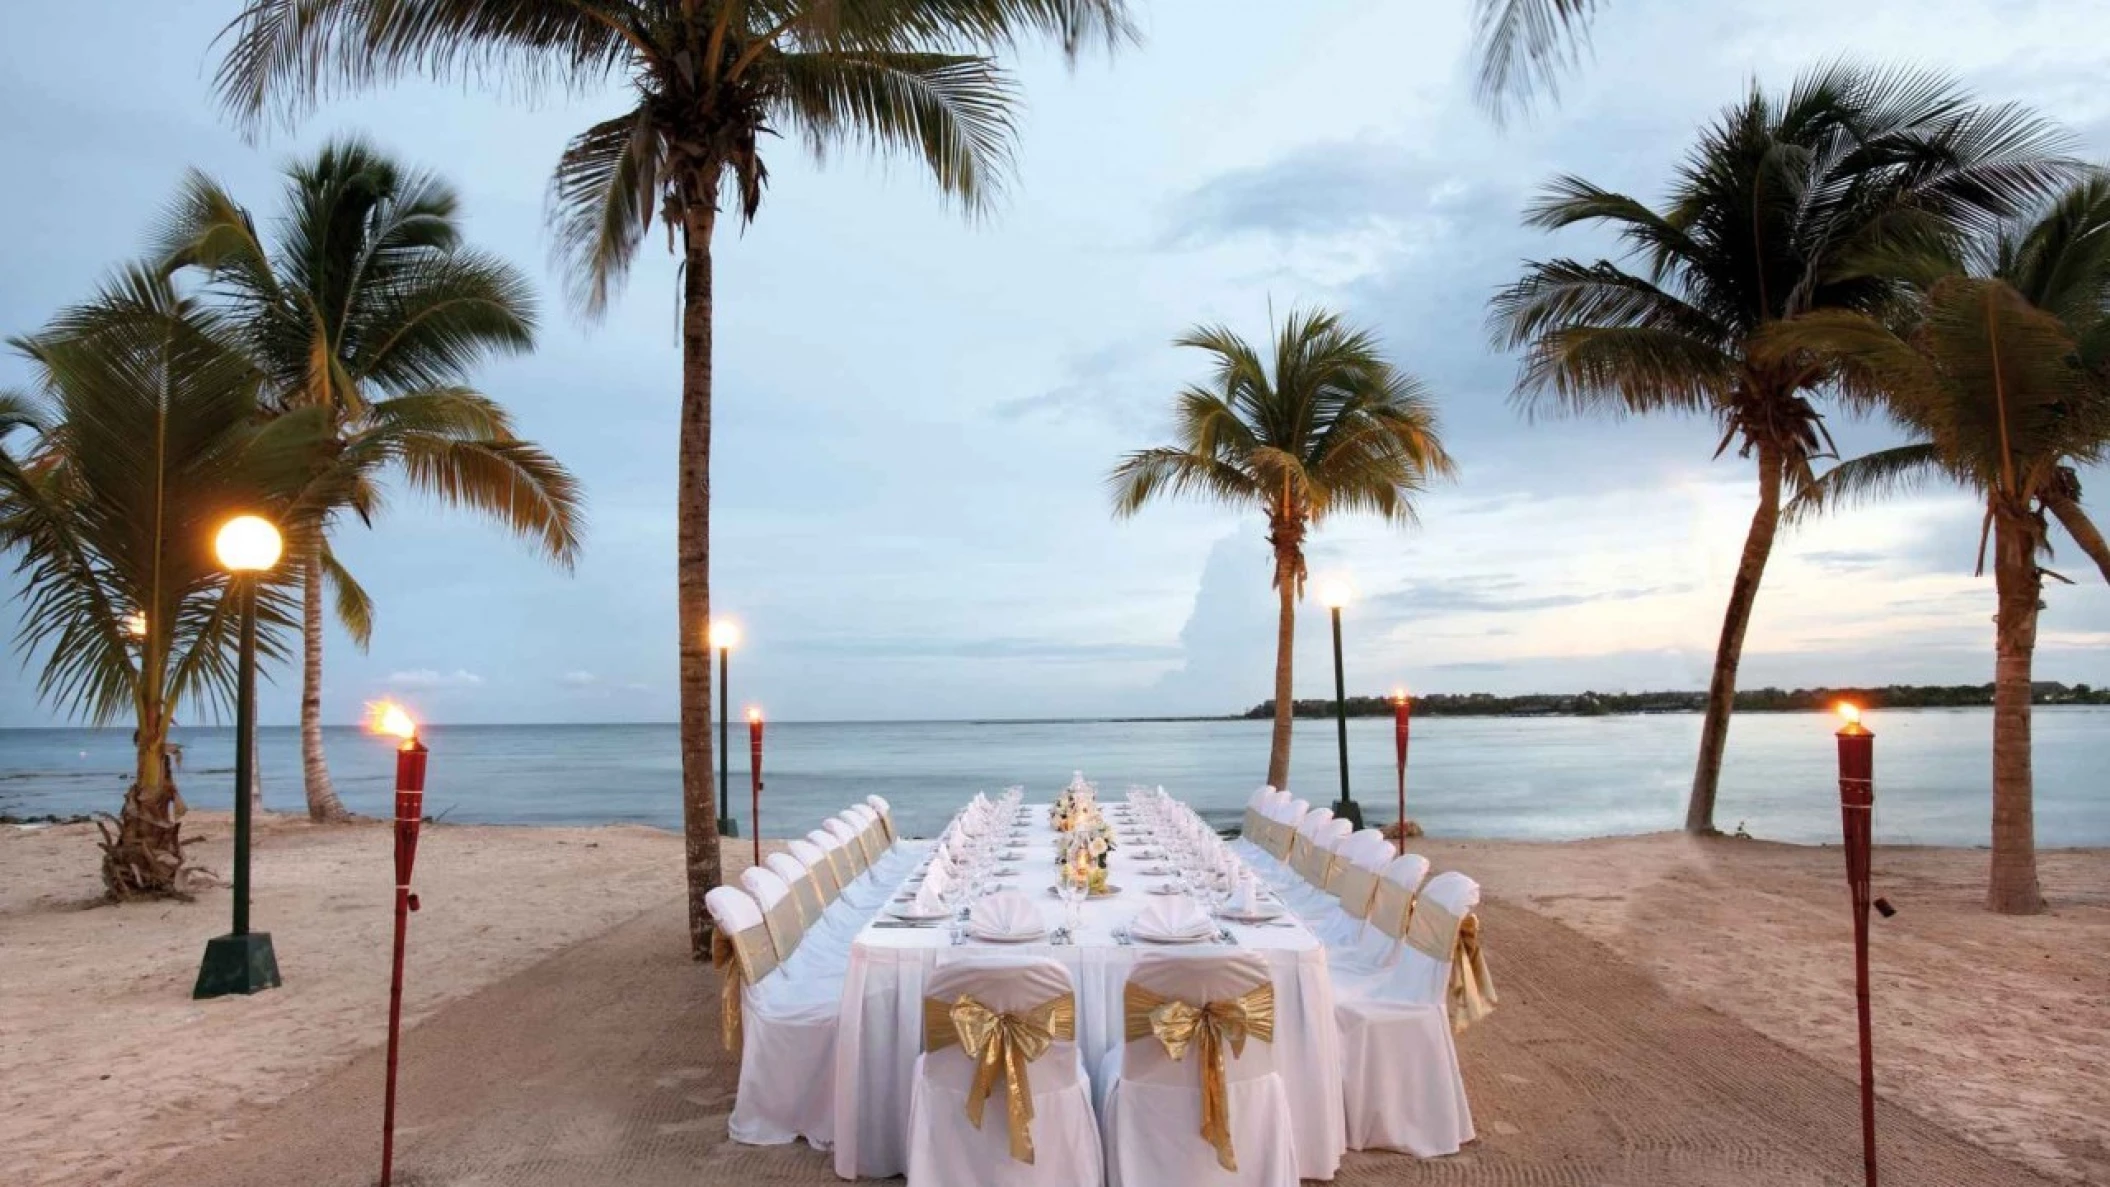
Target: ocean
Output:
[{"x": 1540, "y": 778}]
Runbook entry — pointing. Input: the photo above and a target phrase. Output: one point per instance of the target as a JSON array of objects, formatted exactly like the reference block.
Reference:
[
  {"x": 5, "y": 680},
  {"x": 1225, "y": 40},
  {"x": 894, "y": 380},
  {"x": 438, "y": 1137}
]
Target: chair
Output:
[
  {"x": 1350, "y": 884},
  {"x": 948, "y": 1149},
  {"x": 1294, "y": 861},
  {"x": 1152, "y": 1104},
  {"x": 815, "y": 858},
  {"x": 785, "y": 1033},
  {"x": 805, "y": 891},
  {"x": 1307, "y": 892},
  {"x": 862, "y": 897},
  {"x": 1399, "y": 1064},
  {"x": 845, "y": 832},
  {"x": 801, "y": 955},
  {"x": 1376, "y": 946},
  {"x": 1255, "y": 824},
  {"x": 871, "y": 838}
]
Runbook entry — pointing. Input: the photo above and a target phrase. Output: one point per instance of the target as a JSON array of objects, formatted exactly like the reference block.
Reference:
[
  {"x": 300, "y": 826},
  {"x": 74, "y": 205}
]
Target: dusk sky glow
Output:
[{"x": 915, "y": 411}]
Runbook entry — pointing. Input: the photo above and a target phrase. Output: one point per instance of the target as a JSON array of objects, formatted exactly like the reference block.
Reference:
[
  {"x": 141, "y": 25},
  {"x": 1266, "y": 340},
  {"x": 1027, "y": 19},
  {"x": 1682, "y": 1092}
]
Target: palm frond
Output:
[
  {"x": 601, "y": 202},
  {"x": 355, "y": 610},
  {"x": 951, "y": 110},
  {"x": 1523, "y": 47},
  {"x": 1872, "y": 477},
  {"x": 513, "y": 483}
]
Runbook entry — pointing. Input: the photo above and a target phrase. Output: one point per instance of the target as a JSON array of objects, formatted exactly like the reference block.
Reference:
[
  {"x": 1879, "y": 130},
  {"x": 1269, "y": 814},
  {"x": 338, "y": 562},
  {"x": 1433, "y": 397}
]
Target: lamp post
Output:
[
  {"x": 1857, "y": 802},
  {"x": 387, "y": 718},
  {"x": 754, "y": 775},
  {"x": 242, "y": 961},
  {"x": 1402, "y": 721},
  {"x": 1333, "y": 595},
  {"x": 725, "y": 635}
]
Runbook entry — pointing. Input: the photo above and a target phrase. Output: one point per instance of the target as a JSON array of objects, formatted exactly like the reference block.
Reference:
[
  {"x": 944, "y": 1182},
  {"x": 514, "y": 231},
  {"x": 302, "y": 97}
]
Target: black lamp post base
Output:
[
  {"x": 237, "y": 964},
  {"x": 1349, "y": 811},
  {"x": 728, "y": 827}
]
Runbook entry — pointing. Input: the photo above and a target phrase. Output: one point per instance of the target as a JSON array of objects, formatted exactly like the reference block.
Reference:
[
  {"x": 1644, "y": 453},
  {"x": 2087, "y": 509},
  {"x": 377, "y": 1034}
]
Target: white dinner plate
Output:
[
  {"x": 915, "y": 916},
  {"x": 1263, "y": 915},
  {"x": 1165, "y": 888},
  {"x": 1140, "y": 938},
  {"x": 1042, "y": 934}
]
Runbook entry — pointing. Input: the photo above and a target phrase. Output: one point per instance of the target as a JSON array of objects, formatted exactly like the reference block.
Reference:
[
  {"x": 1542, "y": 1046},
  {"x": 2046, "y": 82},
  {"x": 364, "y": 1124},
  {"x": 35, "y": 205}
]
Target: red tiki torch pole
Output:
[
  {"x": 754, "y": 775},
  {"x": 1857, "y": 801},
  {"x": 410, "y": 813},
  {"x": 1402, "y": 719}
]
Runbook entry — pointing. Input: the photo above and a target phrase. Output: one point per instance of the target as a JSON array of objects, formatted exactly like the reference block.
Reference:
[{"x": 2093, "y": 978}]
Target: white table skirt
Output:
[{"x": 881, "y": 1029}]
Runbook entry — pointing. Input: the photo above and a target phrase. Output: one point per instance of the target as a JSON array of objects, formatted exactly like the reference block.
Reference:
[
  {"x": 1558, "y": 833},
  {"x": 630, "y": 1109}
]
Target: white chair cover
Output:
[
  {"x": 1335, "y": 925},
  {"x": 1151, "y": 1106},
  {"x": 858, "y": 890},
  {"x": 1399, "y": 1064},
  {"x": 1304, "y": 893},
  {"x": 787, "y": 1048},
  {"x": 945, "y": 1149},
  {"x": 811, "y": 955}
]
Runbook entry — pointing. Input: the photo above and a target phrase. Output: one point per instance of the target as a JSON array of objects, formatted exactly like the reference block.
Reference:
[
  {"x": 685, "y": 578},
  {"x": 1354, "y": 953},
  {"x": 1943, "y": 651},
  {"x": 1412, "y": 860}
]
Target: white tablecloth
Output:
[{"x": 881, "y": 1029}]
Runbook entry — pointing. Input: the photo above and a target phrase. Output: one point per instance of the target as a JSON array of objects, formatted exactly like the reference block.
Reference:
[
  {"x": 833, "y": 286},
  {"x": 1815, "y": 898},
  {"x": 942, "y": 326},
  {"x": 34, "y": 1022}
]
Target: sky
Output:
[{"x": 915, "y": 411}]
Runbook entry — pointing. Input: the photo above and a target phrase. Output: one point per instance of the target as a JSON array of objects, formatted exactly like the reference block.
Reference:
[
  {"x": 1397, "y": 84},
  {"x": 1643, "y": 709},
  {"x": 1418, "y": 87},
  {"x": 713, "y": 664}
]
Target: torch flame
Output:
[
  {"x": 387, "y": 717},
  {"x": 1399, "y": 696},
  {"x": 1849, "y": 712},
  {"x": 753, "y": 713}
]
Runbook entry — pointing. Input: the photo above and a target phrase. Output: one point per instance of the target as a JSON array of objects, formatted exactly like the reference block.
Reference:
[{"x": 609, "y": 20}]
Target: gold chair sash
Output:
[
  {"x": 1001, "y": 1045},
  {"x": 1177, "y": 1025},
  {"x": 1285, "y": 840},
  {"x": 1299, "y": 850},
  {"x": 839, "y": 866},
  {"x": 1251, "y": 825},
  {"x": 785, "y": 929},
  {"x": 854, "y": 855},
  {"x": 753, "y": 955},
  {"x": 1355, "y": 887},
  {"x": 806, "y": 892},
  {"x": 886, "y": 828},
  {"x": 824, "y": 877},
  {"x": 868, "y": 837},
  {"x": 1331, "y": 866},
  {"x": 1391, "y": 907},
  {"x": 1469, "y": 992}
]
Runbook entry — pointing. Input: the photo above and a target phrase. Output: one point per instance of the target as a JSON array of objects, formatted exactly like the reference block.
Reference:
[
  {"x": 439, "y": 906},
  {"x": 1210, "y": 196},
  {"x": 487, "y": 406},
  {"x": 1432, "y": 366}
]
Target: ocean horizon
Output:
[{"x": 1523, "y": 778}]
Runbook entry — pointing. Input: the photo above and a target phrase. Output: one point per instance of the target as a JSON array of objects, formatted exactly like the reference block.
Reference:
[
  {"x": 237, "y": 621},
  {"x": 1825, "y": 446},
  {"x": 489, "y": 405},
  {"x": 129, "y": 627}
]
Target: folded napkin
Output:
[
  {"x": 1007, "y": 915},
  {"x": 1247, "y": 899},
  {"x": 938, "y": 877},
  {"x": 931, "y": 899},
  {"x": 1174, "y": 918}
]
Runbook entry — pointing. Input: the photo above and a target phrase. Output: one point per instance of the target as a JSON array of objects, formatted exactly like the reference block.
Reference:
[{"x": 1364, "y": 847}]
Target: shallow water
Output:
[{"x": 1543, "y": 777}]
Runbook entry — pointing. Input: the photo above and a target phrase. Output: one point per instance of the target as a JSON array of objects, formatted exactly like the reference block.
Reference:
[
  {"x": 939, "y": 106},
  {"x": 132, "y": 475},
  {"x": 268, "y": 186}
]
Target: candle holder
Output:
[
  {"x": 1402, "y": 725},
  {"x": 754, "y": 774},
  {"x": 410, "y": 818}
]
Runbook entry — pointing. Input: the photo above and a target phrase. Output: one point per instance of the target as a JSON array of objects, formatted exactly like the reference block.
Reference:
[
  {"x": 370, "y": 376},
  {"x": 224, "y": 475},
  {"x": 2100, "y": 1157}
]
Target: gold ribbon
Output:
[
  {"x": 1001, "y": 1045},
  {"x": 835, "y": 871},
  {"x": 886, "y": 828},
  {"x": 868, "y": 838},
  {"x": 1299, "y": 849},
  {"x": 1177, "y": 1025},
  {"x": 1391, "y": 908},
  {"x": 1355, "y": 887},
  {"x": 1469, "y": 993},
  {"x": 1326, "y": 873},
  {"x": 753, "y": 955},
  {"x": 785, "y": 930},
  {"x": 812, "y": 905},
  {"x": 1251, "y": 826}
]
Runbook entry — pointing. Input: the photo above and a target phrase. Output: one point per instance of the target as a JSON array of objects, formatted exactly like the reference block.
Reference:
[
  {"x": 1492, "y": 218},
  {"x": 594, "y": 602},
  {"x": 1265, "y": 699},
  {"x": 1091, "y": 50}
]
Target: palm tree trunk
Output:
[
  {"x": 1729, "y": 652},
  {"x": 2082, "y": 529},
  {"x": 143, "y": 856},
  {"x": 323, "y": 803},
  {"x": 699, "y": 808},
  {"x": 1285, "y": 650},
  {"x": 2012, "y": 888}
]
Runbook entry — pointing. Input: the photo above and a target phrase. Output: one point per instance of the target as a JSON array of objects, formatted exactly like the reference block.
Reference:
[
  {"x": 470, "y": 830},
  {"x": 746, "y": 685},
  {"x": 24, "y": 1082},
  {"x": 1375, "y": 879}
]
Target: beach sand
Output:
[{"x": 1991, "y": 1028}]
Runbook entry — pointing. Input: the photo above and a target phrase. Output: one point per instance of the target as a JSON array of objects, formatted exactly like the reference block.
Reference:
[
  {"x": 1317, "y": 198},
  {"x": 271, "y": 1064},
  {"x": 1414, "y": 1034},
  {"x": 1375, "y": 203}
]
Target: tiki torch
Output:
[
  {"x": 1402, "y": 720},
  {"x": 1857, "y": 801},
  {"x": 387, "y": 718},
  {"x": 754, "y": 775}
]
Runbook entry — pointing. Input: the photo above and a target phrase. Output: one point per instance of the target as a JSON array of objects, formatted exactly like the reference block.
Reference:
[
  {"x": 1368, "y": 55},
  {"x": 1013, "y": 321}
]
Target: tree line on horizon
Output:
[{"x": 1748, "y": 700}]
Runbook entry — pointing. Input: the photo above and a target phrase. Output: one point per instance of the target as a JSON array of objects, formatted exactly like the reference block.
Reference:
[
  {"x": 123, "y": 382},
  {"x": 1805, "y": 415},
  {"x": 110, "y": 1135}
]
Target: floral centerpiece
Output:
[
  {"x": 1081, "y": 853},
  {"x": 1078, "y": 803}
]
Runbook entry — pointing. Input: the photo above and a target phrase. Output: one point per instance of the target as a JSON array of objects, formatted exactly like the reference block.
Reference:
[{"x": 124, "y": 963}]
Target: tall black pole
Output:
[
  {"x": 1347, "y": 808},
  {"x": 244, "y": 742},
  {"x": 242, "y": 961},
  {"x": 727, "y": 826}
]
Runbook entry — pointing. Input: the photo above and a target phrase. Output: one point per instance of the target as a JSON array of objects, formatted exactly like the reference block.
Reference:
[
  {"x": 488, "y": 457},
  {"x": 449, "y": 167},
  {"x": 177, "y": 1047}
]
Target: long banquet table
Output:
[{"x": 881, "y": 1028}]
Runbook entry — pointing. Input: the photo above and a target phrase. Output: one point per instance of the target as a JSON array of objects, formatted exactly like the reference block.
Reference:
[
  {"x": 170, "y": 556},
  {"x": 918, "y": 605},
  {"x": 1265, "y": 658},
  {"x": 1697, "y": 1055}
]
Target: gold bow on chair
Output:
[
  {"x": 741, "y": 959},
  {"x": 1469, "y": 994},
  {"x": 1001, "y": 1045},
  {"x": 1178, "y": 1025}
]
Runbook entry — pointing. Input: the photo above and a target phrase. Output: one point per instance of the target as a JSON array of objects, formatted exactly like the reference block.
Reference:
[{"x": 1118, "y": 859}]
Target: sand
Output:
[{"x": 1991, "y": 1028}]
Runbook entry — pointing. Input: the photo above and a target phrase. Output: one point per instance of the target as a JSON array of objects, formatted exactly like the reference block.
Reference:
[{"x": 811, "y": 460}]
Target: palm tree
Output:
[
  {"x": 2002, "y": 382},
  {"x": 711, "y": 80},
  {"x": 1331, "y": 428},
  {"x": 1522, "y": 47},
  {"x": 369, "y": 309},
  {"x": 143, "y": 436},
  {"x": 1785, "y": 206}
]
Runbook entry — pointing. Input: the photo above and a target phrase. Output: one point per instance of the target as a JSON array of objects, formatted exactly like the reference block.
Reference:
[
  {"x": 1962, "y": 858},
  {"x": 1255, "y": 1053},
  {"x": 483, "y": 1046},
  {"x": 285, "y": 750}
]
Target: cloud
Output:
[
  {"x": 428, "y": 678},
  {"x": 1127, "y": 386},
  {"x": 1506, "y": 595},
  {"x": 1009, "y": 648},
  {"x": 579, "y": 680}
]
